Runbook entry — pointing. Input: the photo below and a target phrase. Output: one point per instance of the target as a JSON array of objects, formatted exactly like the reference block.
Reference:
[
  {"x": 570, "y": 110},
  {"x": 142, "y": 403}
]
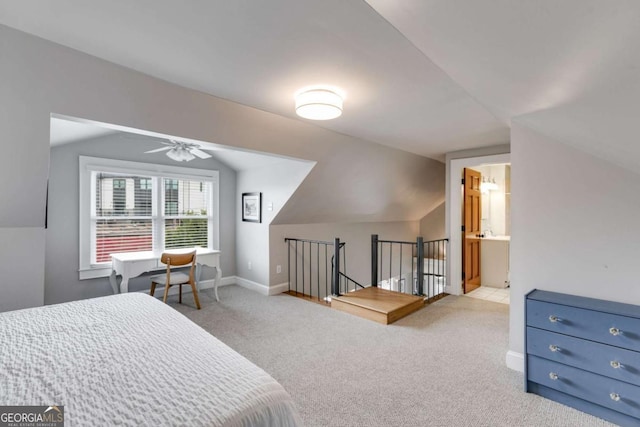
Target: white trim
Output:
[
  {"x": 454, "y": 209},
  {"x": 260, "y": 288},
  {"x": 226, "y": 281},
  {"x": 253, "y": 286},
  {"x": 230, "y": 280},
  {"x": 515, "y": 361},
  {"x": 94, "y": 273},
  {"x": 150, "y": 169},
  {"x": 204, "y": 284},
  {"x": 279, "y": 288}
]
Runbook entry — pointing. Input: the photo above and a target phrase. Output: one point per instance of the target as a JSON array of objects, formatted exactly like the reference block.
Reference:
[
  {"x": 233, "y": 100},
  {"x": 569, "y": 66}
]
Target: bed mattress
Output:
[{"x": 131, "y": 360}]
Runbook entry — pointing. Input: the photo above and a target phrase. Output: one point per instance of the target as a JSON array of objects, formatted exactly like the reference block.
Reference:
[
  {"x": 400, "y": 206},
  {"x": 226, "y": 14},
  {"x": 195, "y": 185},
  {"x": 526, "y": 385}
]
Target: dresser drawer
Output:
[
  {"x": 621, "y": 331},
  {"x": 613, "y": 394},
  {"x": 602, "y": 359}
]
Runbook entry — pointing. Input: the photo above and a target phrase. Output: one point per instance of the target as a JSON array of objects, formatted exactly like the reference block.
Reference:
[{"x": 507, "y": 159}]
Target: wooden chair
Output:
[{"x": 178, "y": 278}]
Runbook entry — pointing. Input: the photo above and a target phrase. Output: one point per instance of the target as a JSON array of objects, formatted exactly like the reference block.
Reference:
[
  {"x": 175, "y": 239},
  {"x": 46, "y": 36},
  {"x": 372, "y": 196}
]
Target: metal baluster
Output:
[
  {"x": 420, "y": 274},
  {"x": 336, "y": 267},
  {"x": 326, "y": 272},
  {"x": 400, "y": 273},
  {"x": 289, "y": 263},
  {"x": 374, "y": 260},
  {"x": 296, "y": 266}
]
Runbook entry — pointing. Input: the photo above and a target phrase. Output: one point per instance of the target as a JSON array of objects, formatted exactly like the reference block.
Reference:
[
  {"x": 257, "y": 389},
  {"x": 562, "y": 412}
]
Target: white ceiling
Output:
[
  {"x": 426, "y": 76},
  {"x": 69, "y": 131},
  {"x": 66, "y": 131}
]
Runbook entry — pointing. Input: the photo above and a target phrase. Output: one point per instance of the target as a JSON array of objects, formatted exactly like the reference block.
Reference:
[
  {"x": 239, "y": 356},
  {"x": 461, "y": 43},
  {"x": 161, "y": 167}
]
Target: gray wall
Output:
[
  {"x": 276, "y": 182},
  {"x": 356, "y": 235},
  {"x": 38, "y": 78},
  {"x": 61, "y": 256},
  {"x": 432, "y": 224},
  {"x": 572, "y": 225}
]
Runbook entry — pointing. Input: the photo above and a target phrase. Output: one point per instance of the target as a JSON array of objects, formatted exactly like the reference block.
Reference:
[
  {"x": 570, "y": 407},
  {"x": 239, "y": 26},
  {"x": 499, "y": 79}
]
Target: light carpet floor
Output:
[{"x": 441, "y": 366}]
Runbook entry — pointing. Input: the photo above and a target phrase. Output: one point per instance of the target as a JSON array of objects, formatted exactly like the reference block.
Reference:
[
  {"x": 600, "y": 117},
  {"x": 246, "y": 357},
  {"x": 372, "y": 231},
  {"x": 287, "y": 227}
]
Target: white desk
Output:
[{"x": 133, "y": 264}]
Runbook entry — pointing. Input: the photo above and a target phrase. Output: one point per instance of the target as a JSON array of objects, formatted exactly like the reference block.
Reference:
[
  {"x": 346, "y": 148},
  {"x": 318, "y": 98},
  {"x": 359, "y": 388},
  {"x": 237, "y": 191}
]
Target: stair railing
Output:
[{"x": 395, "y": 264}]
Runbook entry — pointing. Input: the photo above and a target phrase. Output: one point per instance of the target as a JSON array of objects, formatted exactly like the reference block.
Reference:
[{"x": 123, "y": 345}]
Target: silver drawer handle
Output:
[
  {"x": 553, "y": 319},
  {"x": 553, "y": 376},
  {"x": 554, "y": 348},
  {"x": 614, "y": 396},
  {"x": 615, "y": 364},
  {"x": 615, "y": 331}
]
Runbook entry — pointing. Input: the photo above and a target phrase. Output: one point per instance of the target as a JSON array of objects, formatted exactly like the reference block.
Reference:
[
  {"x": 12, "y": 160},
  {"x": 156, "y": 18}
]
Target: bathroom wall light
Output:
[
  {"x": 318, "y": 104},
  {"x": 487, "y": 185}
]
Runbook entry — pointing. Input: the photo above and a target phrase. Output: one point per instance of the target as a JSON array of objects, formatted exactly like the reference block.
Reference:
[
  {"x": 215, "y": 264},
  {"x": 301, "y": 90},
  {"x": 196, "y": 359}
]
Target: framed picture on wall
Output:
[{"x": 252, "y": 207}]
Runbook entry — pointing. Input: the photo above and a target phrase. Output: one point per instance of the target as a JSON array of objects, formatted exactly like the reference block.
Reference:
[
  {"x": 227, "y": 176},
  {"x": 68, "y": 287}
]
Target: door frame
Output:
[{"x": 453, "y": 213}]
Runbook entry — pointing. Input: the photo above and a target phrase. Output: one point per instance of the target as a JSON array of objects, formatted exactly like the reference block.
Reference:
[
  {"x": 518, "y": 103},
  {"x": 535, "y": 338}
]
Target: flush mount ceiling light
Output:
[{"x": 319, "y": 104}]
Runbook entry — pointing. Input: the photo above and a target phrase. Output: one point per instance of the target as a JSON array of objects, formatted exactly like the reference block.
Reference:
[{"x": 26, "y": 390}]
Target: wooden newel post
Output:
[
  {"x": 374, "y": 260},
  {"x": 335, "y": 278},
  {"x": 420, "y": 265}
]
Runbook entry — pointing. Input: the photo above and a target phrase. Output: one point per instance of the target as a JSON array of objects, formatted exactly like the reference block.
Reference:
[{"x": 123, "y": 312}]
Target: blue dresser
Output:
[{"x": 584, "y": 353}]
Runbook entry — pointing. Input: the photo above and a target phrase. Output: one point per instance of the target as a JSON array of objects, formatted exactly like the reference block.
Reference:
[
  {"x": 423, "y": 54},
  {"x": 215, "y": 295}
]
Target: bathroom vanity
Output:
[{"x": 494, "y": 263}]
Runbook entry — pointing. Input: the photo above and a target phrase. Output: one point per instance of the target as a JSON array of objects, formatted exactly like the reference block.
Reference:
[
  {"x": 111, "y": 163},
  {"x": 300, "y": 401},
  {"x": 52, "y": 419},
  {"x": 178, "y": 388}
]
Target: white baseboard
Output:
[
  {"x": 260, "y": 288},
  {"x": 230, "y": 280},
  {"x": 515, "y": 361},
  {"x": 204, "y": 284},
  {"x": 279, "y": 288}
]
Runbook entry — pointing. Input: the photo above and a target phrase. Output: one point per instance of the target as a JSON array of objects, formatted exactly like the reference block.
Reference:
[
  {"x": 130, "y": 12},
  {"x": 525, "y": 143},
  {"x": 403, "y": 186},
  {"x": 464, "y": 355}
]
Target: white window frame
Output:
[{"x": 87, "y": 270}]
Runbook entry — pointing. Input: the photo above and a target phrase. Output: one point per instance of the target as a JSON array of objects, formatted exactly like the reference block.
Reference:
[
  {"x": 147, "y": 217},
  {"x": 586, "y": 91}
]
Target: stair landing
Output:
[{"x": 379, "y": 305}]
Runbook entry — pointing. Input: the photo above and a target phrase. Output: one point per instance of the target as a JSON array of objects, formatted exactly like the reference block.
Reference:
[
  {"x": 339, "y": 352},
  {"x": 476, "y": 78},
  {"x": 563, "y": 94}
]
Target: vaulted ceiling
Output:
[{"x": 425, "y": 76}]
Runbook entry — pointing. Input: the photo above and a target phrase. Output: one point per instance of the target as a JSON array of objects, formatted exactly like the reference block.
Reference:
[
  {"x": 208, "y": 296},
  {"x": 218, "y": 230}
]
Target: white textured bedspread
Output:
[{"x": 132, "y": 360}]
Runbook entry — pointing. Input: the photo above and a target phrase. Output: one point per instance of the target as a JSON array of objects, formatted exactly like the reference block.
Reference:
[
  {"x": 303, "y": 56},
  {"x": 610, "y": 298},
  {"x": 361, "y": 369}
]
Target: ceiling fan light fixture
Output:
[
  {"x": 180, "y": 154},
  {"x": 319, "y": 104}
]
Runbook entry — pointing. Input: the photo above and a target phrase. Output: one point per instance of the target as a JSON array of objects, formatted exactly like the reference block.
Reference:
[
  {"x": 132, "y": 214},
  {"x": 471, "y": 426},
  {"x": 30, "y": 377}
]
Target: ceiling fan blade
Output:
[
  {"x": 200, "y": 153},
  {"x": 157, "y": 150}
]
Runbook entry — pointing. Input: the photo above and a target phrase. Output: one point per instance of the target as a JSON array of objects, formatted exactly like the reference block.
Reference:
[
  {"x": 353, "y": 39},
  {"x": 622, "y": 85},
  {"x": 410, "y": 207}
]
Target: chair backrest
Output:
[{"x": 177, "y": 259}]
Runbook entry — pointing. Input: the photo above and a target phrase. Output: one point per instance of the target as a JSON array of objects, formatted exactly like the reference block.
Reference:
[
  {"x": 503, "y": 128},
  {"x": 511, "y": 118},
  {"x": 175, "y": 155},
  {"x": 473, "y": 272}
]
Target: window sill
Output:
[{"x": 94, "y": 273}]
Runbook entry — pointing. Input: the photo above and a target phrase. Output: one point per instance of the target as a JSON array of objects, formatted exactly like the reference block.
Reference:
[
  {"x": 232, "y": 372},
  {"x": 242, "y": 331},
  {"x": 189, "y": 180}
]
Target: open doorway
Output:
[
  {"x": 486, "y": 220},
  {"x": 481, "y": 245}
]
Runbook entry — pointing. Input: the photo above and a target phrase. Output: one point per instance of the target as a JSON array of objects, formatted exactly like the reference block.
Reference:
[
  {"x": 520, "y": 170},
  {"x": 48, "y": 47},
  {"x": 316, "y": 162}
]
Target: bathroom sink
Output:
[{"x": 503, "y": 238}]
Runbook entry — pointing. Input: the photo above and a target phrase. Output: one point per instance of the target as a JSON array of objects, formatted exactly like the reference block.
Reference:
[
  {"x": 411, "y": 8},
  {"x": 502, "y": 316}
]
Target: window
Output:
[
  {"x": 129, "y": 206},
  {"x": 122, "y": 220}
]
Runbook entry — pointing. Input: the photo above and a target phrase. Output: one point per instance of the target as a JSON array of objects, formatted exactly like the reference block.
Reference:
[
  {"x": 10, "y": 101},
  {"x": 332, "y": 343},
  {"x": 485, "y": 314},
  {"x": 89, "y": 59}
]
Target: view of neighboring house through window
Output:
[
  {"x": 123, "y": 218},
  {"x": 130, "y": 207},
  {"x": 185, "y": 213}
]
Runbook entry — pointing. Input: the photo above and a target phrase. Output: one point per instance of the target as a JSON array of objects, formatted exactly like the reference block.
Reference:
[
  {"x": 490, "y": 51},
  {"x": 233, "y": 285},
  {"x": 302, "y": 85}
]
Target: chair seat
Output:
[{"x": 176, "y": 278}]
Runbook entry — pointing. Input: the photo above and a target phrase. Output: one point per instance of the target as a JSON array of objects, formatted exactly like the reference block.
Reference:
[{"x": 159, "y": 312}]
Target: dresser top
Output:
[{"x": 618, "y": 308}]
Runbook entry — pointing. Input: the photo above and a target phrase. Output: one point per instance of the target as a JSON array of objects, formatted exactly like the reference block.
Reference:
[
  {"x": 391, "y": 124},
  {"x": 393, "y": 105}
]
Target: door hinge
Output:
[
  {"x": 463, "y": 275},
  {"x": 462, "y": 228},
  {"x": 462, "y": 181}
]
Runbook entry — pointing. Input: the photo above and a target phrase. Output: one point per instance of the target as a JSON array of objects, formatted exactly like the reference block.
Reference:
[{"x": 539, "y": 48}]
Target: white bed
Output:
[{"x": 131, "y": 360}]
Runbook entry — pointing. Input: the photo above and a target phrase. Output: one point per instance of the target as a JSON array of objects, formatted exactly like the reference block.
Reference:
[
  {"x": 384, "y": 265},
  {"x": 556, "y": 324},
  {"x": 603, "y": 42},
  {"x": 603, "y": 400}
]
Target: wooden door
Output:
[{"x": 471, "y": 230}]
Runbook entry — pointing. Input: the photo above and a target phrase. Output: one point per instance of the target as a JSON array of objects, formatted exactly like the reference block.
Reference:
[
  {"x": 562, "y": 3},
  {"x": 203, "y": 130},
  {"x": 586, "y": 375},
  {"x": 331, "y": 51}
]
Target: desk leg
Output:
[
  {"x": 114, "y": 282},
  {"x": 198, "y": 274},
  {"x": 124, "y": 285},
  {"x": 216, "y": 279},
  {"x": 216, "y": 282}
]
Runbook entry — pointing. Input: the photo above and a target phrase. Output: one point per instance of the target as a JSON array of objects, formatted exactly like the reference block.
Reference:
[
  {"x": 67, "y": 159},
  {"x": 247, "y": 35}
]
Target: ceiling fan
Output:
[{"x": 182, "y": 151}]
